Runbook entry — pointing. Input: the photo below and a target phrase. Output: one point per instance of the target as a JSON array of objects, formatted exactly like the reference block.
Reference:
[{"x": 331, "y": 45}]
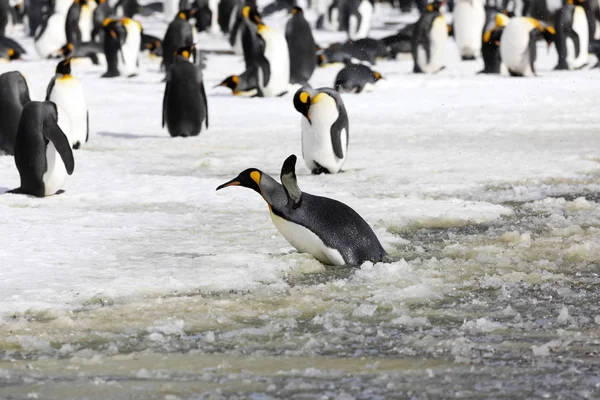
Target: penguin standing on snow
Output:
[
  {"x": 14, "y": 94},
  {"x": 356, "y": 78},
  {"x": 490, "y": 49},
  {"x": 180, "y": 33},
  {"x": 6, "y": 18},
  {"x": 469, "y": 19},
  {"x": 571, "y": 37},
  {"x": 273, "y": 62},
  {"x": 51, "y": 35},
  {"x": 359, "y": 14},
  {"x": 43, "y": 154},
  {"x": 302, "y": 47},
  {"x": 67, "y": 92},
  {"x": 102, "y": 11},
  {"x": 429, "y": 40},
  {"x": 330, "y": 231},
  {"x": 185, "y": 106},
  {"x": 325, "y": 130},
  {"x": 122, "y": 43},
  {"x": 80, "y": 21},
  {"x": 518, "y": 44}
]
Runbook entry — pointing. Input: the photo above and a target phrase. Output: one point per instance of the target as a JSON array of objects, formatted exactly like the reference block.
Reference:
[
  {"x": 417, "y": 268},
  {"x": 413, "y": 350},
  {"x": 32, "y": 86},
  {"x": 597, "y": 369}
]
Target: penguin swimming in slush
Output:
[
  {"x": 518, "y": 44},
  {"x": 185, "y": 106},
  {"x": 325, "y": 129},
  {"x": 43, "y": 154},
  {"x": 571, "y": 37},
  {"x": 429, "y": 40},
  {"x": 329, "y": 230},
  {"x": 66, "y": 92},
  {"x": 490, "y": 48},
  {"x": 302, "y": 47},
  {"x": 469, "y": 19},
  {"x": 122, "y": 42},
  {"x": 14, "y": 94},
  {"x": 356, "y": 78}
]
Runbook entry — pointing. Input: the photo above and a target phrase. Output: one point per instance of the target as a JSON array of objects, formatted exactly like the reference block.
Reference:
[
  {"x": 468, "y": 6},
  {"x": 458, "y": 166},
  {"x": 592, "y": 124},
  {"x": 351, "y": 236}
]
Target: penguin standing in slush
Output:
[
  {"x": 518, "y": 44},
  {"x": 325, "y": 130},
  {"x": 572, "y": 39},
  {"x": 429, "y": 40},
  {"x": 185, "y": 106},
  {"x": 67, "y": 92},
  {"x": 43, "y": 154},
  {"x": 302, "y": 47},
  {"x": 80, "y": 22},
  {"x": 329, "y": 230},
  {"x": 469, "y": 19},
  {"x": 14, "y": 94},
  {"x": 122, "y": 44},
  {"x": 273, "y": 63}
]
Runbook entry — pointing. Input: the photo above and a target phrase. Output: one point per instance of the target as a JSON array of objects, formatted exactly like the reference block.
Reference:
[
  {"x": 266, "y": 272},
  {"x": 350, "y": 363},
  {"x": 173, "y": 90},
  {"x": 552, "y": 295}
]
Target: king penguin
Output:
[
  {"x": 325, "y": 130},
  {"x": 302, "y": 47},
  {"x": 572, "y": 39},
  {"x": 43, "y": 154},
  {"x": 490, "y": 49},
  {"x": 14, "y": 94},
  {"x": 355, "y": 78},
  {"x": 429, "y": 40},
  {"x": 469, "y": 19},
  {"x": 185, "y": 106},
  {"x": 66, "y": 91},
  {"x": 6, "y": 18},
  {"x": 273, "y": 62},
  {"x": 80, "y": 22},
  {"x": 180, "y": 33},
  {"x": 122, "y": 44},
  {"x": 360, "y": 14},
  {"x": 51, "y": 35},
  {"x": 329, "y": 230},
  {"x": 518, "y": 44}
]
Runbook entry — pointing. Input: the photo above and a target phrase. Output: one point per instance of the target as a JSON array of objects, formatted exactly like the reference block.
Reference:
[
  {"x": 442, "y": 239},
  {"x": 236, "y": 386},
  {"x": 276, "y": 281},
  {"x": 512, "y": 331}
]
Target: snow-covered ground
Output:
[{"x": 473, "y": 184}]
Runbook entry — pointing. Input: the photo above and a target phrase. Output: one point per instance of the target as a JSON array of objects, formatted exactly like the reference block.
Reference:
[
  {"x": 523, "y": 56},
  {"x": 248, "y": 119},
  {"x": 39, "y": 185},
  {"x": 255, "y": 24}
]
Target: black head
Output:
[
  {"x": 302, "y": 102},
  {"x": 186, "y": 14},
  {"x": 249, "y": 178},
  {"x": 549, "y": 34},
  {"x": 297, "y": 10},
  {"x": 64, "y": 67},
  {"x": 250, "y": 12},
  {"x": 230, "y": 82},
  {"x": 435, "y": 5},
  {"x": 377, "y": 76},
  {"x": 13, "y": 54},
  {"x": 321, "y": 59},
  {"x": 187, "y": 52},
  {"x": 67, "y": 49}
]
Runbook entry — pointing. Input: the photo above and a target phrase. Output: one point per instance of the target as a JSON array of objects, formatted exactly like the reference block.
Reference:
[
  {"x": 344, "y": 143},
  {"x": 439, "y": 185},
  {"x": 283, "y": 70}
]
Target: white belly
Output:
[
  {"x": 277, "y": 53},
  {"x": 56, "y": 174},
  {"x": 62, "y": 6},
  {"x": 514, "y": 46},
  {"x": 128, "y": 62},
  {"x": 305, "y": 241},
  {"x": 438, "y": 38},
  {"x": 86, "y": 23},
  {"x": 68, "y": 93},
  {"x": 580, "y": 26},
  {"x": 170, "y": 10},
  {"x": 469, "y": 18},
  {"x": 214, "y": 22},
  {"x": 53, "y": 38},
  {"x": 355, "y": 32}
]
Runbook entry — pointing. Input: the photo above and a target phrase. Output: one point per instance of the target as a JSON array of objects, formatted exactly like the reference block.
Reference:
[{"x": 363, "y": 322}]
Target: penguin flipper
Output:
[
  {"x": 532, "y": 50},
  {"x": 50, "y": 87},
  {"x": 263, "y": 64},
  {"x": 164, "y": 110},
  {"x": 53, "y": 132},
  {"x": 289, "y": 182},
  {"x": 576, "y": 43},
  {"x": 87, "y": 126},
  {"x": 205, "y": 100}
]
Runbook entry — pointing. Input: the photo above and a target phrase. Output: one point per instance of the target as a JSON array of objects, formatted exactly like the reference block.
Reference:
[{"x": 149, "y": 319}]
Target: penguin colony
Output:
[{"x": 41, "y": 135}]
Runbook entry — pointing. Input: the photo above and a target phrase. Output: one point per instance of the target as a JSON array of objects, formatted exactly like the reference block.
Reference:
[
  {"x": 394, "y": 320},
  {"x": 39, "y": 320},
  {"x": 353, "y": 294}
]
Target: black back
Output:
[
  {"x": 224, "y": 14},
  {"x": 103, "y": 11},
  {"x": 72, "y": 24},
  {"x": 11, "y": 43},
  {"x": 14, "y": 94},
  {"x": 115, "y": 35},
  {"x": 490, "y": 52},
  {"x": 179, "y": 34},
  {"x": 354, "y": 77},
  {"x": 35, "y": 11},
  {"x": 302, "y": 48},
  {"x": 5, "y": 15}
]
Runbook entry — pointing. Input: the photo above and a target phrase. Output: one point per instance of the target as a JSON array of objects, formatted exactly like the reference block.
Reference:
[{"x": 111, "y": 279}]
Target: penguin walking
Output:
[
  {"x": 329, "y": 230},
  {"x": 180, "y": 33},
  {"x": 490, "y": 49},
  {"x": 356, "y": 78},
  {"x": 66, "y": 91},
  {"x": 43, "y": 154},
  {"x": 325, "y": 129},
  {"x": 429, "y": 40},
  {"x": 122, "y": 43},
  {"x": 185, "y": 106},
  {"x": 273, "y": 62},
  {"x": 469, "y": 20},
  {"x": 80, "y": 21},
  {"x": 302, "y": 47},
  {"x": 14, "y": 94},
  {"x": 571, "y": 37},
  {"x": 360, "y": 14},
  {"x": 518, "y": 44}
]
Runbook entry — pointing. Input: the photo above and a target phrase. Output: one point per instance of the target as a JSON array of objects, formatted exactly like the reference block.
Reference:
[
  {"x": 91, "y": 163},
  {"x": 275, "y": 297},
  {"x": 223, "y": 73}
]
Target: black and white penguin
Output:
[
  {"x": 245, "y": 85},
  {"x": 356, "y": 78},
  {"x": 185, "y": 106},
  {"x": 66, "y": 92},
  {"x": 490, "y": 49},
  {"x": 152, "y": 45},
  {"x": 102, "y": 11},
  {"x": 14, "y": 94},
  {"x": 367, "y": 50},
  {"x": 180, "y": 33},
  {"x": 43, "y": 154},
  {"x": 325, "y": 129},
  {"x": 51, "y": 35},
  {"x": 36, "y": 11},
  {"x": 360, "y": 15},
  {"x": 572, "y": 39},
  {"x": 237, "y": 23},
  {"x": 429, "y": 40},
  {"x": 122, "y": 43},
  {"x": 273, "y": 63},
  {"x": 330, "y": 231},
  {"x": 80, "y": 21},
  {"x": 518, "y": 44},
  {"x": 302, "y": 47},
  {"x": 10, "y": 49},
  {"x": 6, "y": 18},
  {"x": 90, "y": 50},
  {"x": 225, "y": 10},
  {"x": 469, "y": 19},
  {"x": 328, "y": 15}
]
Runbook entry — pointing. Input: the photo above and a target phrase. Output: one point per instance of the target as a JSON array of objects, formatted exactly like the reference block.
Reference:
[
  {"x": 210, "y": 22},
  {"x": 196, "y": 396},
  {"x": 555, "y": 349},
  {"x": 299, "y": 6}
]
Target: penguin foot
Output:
[
  {"x": 110, "y": 75},
  {"x": 282, "y": 94},
  {"x": 581, "y": 67},
  {"x": 468, "y": 58},
  {"x": 77, "y": 145},
  {"x": 561, "y": 67},
  {"x": 319, "y": 170},
  {"x": 59, "y": 192}
]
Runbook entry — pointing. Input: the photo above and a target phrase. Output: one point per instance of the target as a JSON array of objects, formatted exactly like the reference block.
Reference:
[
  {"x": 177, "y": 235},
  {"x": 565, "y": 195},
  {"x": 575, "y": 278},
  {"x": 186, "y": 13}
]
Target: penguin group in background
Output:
[
  {"x": 330, "y": 231},
  {"x": 468, "y": 24},
  {"x": 429, "y": 40},
  {"x": 367, "y": 50},
  {"x": 66, "y": 91},
  {"x": 518, "y": 44},
  {"x": 14, "y": 94},
  {"x": 185, "y": 106},
  {"x": 490, "y": 49},
  {"x": 35, "y": 12},
  {"x": 43, "y": 154},
  {"x": 225, "y": 10},
  {"x": 302, "y": 47},
  {"x": 237, "y": 24},
  {"x": 572, "y": 39},
  {"x": 356, "y": 78},
  {"x": 102, "y": 11},
  {"x": 180, "y": 33},
  {"x": 122, "y": 43},
  {"x": 325, "y": 129}
]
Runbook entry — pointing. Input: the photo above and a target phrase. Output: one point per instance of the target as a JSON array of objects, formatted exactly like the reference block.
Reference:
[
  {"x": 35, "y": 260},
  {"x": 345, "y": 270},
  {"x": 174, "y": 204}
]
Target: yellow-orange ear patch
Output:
[
  {"x": 255, "y": 175},
  {"x": 304, "y": 97}
]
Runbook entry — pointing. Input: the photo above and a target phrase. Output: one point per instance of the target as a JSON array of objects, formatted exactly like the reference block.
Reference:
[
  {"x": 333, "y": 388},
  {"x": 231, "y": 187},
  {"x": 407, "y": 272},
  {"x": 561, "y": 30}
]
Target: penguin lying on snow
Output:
[
  {"x": 245, "y": 84},
  {"x": 366, "y": 49},
  {"x": 10, "y": 49},
  {"x": 14, "y": 94},
  {"x": 92, "y": 50},
  {"x": 356, "y": 78},
  {"x": 330, "y": 231}
]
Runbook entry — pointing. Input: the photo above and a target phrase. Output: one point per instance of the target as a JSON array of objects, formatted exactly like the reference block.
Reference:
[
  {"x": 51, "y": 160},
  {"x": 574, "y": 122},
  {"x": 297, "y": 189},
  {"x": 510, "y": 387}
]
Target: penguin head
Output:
[
  {"x": 249, "y": 178},
  {"x": 435, "y": 5},
  {"x": 297, "y": 10},
  {"x": 64, "y": 67},
  {"x": 13, "y": 54},
  {"x": 67, "y": 49},
  {"x": 251, "y": 13},
  {"x": 230, "y": 82},
  {"x": 187, "y": 52},
  {"x": 302, "y": 102},
  {"x": 377, "y": 76},
  {"x": 186, "y": 14},
  {"x": 549, "y": 34}
]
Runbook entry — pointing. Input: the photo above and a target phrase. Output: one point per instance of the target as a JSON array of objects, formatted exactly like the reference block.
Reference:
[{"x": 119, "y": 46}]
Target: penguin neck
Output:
[
  {"x": 64, "y": 77},
  {"x": 273, "y": 193}
]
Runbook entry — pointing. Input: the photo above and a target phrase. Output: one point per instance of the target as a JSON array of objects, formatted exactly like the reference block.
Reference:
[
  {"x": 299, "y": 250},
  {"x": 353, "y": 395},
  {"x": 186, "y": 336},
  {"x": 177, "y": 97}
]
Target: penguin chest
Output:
[
  {"x": 306, "y": 241},
  {"x": 53, "y": 37},
  {"x": 438, "y": 35},
  {"x": 56, "y": 172},
  {"x": 67, "y": 93},
  {"x": 514, "y": 47},
  {"x": 128, "y": 60},
  {"x": 277, "y": 55},
  {"x": 317, "y": 146},
  {"x": 86, "y": 23},
  {"x": 359, "y": 31},
  {"x": 580, "y": 27},
  {"x": 469, "y": 19}
]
